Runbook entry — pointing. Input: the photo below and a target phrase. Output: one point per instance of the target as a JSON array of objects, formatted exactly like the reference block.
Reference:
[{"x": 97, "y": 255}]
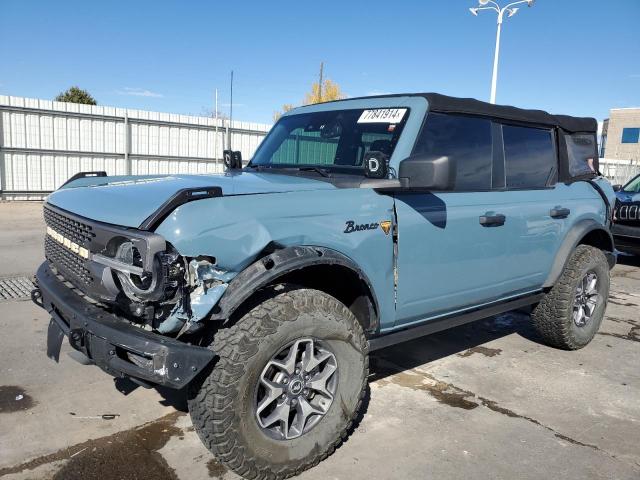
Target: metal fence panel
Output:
[
  {"x": 619, "y": 172},
  {"x": 43, "y": 143}
]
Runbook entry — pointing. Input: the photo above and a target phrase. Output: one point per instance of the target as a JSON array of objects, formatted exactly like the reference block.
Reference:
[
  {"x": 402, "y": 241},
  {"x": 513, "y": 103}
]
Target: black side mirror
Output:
[
  {"x": 425, "y": 172},
  {"x": 617, "y": 188},
  {"x": 232, "y": 160}
]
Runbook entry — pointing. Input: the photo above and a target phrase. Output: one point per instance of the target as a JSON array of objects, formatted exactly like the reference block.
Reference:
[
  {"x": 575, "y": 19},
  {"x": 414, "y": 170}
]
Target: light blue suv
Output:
[{"x": 357, "y": 224}]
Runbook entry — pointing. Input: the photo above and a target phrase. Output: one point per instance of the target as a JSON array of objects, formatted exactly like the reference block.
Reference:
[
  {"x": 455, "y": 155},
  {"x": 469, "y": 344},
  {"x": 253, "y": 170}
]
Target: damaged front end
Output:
[
  {"x": 195, "y": 286},
  {"x": 124, "y": 296}
]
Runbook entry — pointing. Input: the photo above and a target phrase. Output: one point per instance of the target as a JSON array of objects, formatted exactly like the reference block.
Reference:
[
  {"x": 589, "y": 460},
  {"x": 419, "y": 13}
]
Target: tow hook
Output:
[{"x": 36, "y": 297}]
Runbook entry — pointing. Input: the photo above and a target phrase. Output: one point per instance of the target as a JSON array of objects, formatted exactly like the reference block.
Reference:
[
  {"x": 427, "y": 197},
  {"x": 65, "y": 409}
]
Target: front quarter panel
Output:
[{"x": 237, "y": 229}]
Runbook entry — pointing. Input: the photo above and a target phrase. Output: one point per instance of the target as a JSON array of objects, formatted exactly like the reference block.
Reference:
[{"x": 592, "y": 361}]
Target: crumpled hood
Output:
[{"x": 129, "y": 200}]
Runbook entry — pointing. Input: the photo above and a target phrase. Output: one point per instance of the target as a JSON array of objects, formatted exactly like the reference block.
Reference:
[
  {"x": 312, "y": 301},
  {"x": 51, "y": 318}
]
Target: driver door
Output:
[{"x": 452, "y": 245}]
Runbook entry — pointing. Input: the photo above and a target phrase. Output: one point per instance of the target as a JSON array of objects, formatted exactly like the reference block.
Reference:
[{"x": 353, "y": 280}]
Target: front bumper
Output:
[
  {"x": 626, "y": 238},
  {"x": 111, "y": 342}
]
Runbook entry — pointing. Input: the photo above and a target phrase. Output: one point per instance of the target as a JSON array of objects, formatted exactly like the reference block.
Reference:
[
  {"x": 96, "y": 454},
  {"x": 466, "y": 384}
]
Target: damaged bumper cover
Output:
[{"x": 112, "y": 343}]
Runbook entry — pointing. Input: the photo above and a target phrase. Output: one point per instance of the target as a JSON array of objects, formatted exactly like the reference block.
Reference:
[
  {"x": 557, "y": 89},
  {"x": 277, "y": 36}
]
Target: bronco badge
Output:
[{"x": 351, "y": 226}]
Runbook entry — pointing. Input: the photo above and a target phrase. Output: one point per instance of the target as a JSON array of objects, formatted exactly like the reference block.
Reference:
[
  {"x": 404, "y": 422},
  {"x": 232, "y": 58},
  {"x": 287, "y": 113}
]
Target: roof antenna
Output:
[{"x": 230, "y": 115}]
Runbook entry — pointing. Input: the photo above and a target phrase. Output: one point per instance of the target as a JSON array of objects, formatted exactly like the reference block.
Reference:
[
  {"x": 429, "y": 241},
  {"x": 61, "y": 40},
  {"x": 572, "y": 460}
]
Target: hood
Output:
[
  {"x": 129, "y": 200},
  {"x": 628, "y": 197}
]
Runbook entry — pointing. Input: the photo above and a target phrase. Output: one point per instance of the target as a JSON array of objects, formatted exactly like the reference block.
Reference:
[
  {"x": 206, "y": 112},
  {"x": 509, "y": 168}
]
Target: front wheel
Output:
[
  {"x": 288, "y": 383},
  {"x": 570, "y": 314}
]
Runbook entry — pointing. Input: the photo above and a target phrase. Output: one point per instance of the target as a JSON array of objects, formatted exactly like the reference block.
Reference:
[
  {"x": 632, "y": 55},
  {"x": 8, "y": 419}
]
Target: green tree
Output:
[{"x": 76, "y": 95}]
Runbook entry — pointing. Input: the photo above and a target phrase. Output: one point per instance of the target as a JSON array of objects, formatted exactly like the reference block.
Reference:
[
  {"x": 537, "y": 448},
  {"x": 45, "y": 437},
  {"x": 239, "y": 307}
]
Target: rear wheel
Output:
[
  {"x": 289, "y": 381},
  {"x": 571, "y": 313}
]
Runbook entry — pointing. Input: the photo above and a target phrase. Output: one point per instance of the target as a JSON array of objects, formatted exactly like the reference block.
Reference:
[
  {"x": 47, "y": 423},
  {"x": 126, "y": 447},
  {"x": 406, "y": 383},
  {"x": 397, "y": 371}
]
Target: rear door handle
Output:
[
  {"x": 495, "y": 220},
  {"x": 559, "y": 212}
]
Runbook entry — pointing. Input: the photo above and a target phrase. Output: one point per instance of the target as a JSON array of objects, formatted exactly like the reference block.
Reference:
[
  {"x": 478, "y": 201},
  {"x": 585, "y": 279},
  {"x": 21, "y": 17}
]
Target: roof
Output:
[
  {"x": 471, "y": 106},
  {"x": 443, "y": 103}
]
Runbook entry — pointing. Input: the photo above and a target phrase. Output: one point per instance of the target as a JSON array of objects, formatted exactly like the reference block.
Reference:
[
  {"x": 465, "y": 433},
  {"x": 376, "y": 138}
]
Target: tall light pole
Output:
[{"x": 510, "y": 10}]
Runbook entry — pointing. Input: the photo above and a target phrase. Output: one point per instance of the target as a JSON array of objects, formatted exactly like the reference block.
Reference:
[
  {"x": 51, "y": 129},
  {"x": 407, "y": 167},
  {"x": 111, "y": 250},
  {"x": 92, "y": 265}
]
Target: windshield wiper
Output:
[{"x": 319, "y": 170}]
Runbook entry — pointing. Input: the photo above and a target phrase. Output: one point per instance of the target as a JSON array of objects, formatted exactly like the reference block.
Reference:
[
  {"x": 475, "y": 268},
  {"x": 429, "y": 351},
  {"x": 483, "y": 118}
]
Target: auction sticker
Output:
[{"x": 383, "y": 115}]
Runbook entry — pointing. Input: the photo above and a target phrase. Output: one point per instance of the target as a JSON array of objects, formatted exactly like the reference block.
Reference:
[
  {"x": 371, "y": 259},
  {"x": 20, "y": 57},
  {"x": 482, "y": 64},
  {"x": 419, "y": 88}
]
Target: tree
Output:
[
  {"x": 210, "y": 112},
  {"x": 330, "y": 91},
  {"x": 285, "y": 108},
  {"x": 76, "y": 95}
]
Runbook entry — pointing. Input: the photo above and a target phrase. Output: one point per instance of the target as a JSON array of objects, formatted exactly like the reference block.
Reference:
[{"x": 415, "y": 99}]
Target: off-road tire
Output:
[
  {"x": 553, "y": 316},
  {"x": 222, "y": 405}
]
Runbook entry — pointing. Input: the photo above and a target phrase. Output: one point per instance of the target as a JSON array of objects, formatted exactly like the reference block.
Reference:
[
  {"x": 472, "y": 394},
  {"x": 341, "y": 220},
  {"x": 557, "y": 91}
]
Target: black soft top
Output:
[{"x": 471, "y": 106}]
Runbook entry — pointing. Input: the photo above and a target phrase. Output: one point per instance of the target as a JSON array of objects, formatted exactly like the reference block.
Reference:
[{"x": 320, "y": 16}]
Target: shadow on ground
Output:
[{"x": 465, "y": 340}]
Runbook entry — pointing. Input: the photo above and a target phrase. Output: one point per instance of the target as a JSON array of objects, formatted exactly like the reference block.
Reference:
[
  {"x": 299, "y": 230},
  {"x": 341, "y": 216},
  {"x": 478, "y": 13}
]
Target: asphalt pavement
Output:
[{"x": 483, "y": 401}]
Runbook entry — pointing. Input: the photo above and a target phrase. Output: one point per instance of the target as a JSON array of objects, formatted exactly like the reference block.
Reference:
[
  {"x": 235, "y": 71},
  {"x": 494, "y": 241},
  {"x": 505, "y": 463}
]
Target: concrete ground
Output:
[{"x": 483, "y": 401}]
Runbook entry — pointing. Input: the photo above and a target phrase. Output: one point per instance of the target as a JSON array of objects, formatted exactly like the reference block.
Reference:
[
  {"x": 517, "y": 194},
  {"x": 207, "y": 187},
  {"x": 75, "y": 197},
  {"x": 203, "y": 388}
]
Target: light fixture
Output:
[{"x": 510, "y": 9}]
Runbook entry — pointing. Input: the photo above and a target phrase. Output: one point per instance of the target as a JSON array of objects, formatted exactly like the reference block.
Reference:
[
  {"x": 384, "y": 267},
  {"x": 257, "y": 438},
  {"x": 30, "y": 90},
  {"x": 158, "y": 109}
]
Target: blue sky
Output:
[{"x": 578, "y": 57}]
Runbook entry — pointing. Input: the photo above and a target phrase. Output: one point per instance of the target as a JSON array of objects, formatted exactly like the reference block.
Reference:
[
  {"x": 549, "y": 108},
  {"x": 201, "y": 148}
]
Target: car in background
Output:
[{"x": 626, "y": 226}]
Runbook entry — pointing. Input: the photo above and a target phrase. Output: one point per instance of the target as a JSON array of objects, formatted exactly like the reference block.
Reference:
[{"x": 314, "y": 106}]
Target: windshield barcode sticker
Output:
[{"x": 382, "y": 115}]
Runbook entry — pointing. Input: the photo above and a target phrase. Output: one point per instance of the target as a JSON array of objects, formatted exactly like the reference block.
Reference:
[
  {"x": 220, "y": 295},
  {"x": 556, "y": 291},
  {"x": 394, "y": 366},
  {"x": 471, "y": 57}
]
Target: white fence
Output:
[
  {"x": 43, "y": 143},
  {"x": 619, "y": 172}
]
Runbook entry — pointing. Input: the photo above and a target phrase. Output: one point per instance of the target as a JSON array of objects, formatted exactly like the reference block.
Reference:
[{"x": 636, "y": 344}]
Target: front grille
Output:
[
  {"x": 70, "y": 265},
  {"x": 76, "y": 231}
]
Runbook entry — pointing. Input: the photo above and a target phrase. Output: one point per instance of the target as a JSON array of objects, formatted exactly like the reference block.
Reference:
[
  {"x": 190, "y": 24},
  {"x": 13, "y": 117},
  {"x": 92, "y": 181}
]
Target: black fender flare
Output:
[
  {"x": 571, "y": 241},
  {"x": 283, "y": 261}
]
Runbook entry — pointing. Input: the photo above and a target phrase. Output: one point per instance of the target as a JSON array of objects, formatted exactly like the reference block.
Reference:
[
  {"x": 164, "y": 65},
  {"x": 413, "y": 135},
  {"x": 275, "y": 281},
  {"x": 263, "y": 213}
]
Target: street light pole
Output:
[
  {"x": 510, "y": 10},
  {"x": 496, "y": 56}
]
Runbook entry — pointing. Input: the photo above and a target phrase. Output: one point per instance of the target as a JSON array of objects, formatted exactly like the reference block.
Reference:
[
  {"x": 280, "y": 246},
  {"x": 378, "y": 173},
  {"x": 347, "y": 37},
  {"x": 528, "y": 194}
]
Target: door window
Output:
[
  {"x": 466, "y": 141},
  {"x": 530, "y": 157}
]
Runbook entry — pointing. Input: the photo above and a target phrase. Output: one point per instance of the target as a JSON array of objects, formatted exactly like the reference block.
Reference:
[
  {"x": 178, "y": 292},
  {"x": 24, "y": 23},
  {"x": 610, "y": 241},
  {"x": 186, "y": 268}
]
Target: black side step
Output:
[{"x": 439, "y": 324}]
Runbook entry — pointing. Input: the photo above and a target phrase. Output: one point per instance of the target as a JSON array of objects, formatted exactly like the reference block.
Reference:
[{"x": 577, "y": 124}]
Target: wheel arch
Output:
[
  {"x": 320, "y": 268},
  {"x": 585, "y": 232}
]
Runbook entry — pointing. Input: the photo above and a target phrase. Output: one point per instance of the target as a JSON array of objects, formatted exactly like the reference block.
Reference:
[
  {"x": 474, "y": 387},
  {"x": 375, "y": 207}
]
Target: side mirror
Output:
[
  {"x": 422, "y": 171},
  {"x": 617, "y": 188},
  {"x": 232, "y": 160}
]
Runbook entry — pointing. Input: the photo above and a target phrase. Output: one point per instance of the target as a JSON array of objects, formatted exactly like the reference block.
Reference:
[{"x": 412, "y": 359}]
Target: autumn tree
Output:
[
  {"x": 76, "y": 95},
  {"x": 330, "y": 91}
]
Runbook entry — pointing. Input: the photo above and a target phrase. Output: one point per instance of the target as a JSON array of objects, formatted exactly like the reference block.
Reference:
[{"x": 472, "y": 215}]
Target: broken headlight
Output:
[{"x": 161, "y": 284}]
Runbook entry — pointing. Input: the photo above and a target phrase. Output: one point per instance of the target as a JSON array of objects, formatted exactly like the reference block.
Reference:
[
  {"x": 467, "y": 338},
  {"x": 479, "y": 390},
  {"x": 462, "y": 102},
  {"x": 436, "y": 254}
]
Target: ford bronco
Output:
[{"x": 357, "y": 224}]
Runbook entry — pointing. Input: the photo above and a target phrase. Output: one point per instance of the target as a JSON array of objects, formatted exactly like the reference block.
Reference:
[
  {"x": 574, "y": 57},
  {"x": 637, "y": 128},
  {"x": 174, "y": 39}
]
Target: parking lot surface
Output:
[{"x": 482, "y": 401}]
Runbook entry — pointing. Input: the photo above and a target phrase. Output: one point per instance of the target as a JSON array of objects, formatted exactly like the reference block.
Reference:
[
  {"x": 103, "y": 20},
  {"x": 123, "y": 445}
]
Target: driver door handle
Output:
[
  {"x": 559, "y": 212},
  {"x": 496, "y": 220}
]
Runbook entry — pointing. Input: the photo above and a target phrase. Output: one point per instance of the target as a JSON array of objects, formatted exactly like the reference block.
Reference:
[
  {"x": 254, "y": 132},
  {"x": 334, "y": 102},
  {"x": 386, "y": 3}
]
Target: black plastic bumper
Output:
[
  {"x": 626, "y": 238},
  {"x": 112, "y": 343}
]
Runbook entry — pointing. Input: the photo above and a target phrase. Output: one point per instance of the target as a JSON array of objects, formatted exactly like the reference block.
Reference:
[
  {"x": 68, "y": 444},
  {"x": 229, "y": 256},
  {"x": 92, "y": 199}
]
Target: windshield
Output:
[
  {"x": 633, "y": 186},
  {"x": 337, "y": 138}
]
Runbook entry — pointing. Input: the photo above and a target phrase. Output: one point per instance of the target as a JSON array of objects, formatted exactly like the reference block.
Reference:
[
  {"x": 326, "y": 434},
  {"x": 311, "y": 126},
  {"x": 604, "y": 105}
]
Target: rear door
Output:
[{"x": 537, "y": 209}]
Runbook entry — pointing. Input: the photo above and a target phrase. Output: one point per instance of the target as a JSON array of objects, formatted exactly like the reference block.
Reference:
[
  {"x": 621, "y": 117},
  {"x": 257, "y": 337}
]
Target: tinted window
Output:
[
  {"x": 530, "y": 159},
  {"x": 630, "y": 135},
  {"x": 581, "y": 149},
  {"x": 466, "y": 141}
]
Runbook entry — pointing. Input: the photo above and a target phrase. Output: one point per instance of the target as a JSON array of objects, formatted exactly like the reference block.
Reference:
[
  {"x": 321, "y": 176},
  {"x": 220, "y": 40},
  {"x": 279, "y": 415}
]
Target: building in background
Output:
[
  {"x": 620, "y": 145},
  {"x": 621, "y": 135}
]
